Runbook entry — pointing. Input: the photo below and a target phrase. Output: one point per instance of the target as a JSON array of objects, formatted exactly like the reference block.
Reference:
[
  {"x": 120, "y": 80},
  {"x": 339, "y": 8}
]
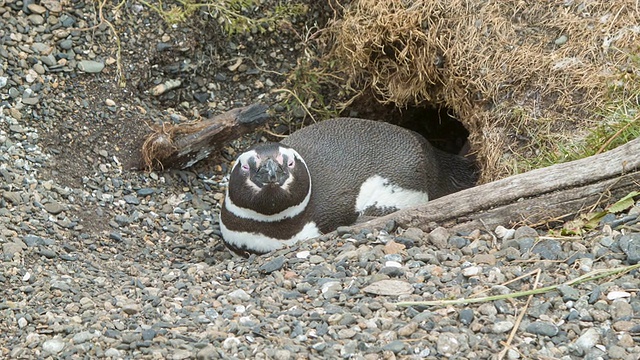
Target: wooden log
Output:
[
  {"x": 555, "y": 192},
  {"x": 181, "y": 146}
]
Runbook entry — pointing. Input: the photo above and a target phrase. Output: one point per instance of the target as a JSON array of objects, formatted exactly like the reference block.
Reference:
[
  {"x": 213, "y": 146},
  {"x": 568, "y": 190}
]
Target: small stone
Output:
[
  {"x": 394, "y": 346},
  {"x": 613, "y": 295},
  {"x": 561, "y": 40},
  {"x": 439, "y": 237},
  {"x": 502, "y": 327},
  {"x": 180, "y": 354},
  {"x": 53, "y": 5},
  {"x": 90, "y": 66},
  {"x": 12, "y": 248},
  {"x": 230, "y": 342},
  {"x": 109, "y": 102},
  {"x": 414, "y": 234},
  {"x": 22, "y": 323},
  {"x": 343, "y": 230},
  {"x": 66, "y": 44},
  {"x": 447, "y": 344},
  {"x": 272, "y": 265},
  {"x": 524, "y": 232},
  {"x": 630, "y": 245},
  {"x": 408, "y": 329},
  {"x": 53, "y": 208},
  {"x": 543, "y": 328},
  {"x": 112, "y": 353},
  {"x": 39, "y": 69},
  {"x": 131, "y": 309},
  {"x": 466, "y": 316},
  {"x": 548, "y": 250},
  {"x": 389, "y": 287},
  {"x": 504, "y": 233},
  {"x": 282, "y": 354},
  {"x": 53, "y": 346},
  {"x": 393, "y": 247},
  {"x": 471, "y": 271},
  {"x": 82, "y": 337},
  {"x": 587, "y": 340},
  {"x": 164, "y": 87},
  {"x": 209, "y": 352},
  {"x": 37, "y": 9},
  {"x": 238, "y": 296},
  {"x": 569, "y": 293}
]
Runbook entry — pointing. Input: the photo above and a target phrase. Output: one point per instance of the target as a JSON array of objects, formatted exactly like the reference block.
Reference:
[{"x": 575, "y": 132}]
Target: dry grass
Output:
[{"x": 521, "y": 76}]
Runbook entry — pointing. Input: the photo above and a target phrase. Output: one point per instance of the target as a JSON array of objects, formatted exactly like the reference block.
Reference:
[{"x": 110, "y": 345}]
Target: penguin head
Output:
[{"x": 268, "y": 180}]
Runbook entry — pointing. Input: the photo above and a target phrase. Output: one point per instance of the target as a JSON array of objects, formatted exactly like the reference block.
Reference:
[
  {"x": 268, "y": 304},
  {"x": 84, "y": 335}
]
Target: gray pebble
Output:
[
  {"x": 90, "y": 66},
  {"x": 273, "y": 265},
  {"x": 66, "y": 44},
  {"x": 447, "y": 344},
  {"x": 587, "y": 340},
  {"x": 54, "y": 208},
  {"x": 500, "y": 327},
  {"x": 438, "y": 237},
  {"x": 630, "y": 245},
  {"x": 466, "y": 316},
  {"x": 542, "y": 328},
  {"x": 53, "y": 346},
  {"x": 548, "y": 249},
  {"x": 569, "y": 293},
  {"x": 395, "y": 346},
  {"x": 525, "y": 231},
  {"x": 238, "y": 296}
]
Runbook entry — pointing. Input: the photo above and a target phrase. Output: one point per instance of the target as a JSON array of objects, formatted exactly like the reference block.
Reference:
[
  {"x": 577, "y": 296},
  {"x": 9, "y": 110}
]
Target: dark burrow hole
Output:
[{"x": 436, "y": 124}]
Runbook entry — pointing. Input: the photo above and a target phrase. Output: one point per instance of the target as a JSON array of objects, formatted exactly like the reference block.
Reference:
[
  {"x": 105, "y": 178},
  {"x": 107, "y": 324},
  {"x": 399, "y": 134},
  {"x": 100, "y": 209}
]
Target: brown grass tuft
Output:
[{"x": 521, "y": 76}]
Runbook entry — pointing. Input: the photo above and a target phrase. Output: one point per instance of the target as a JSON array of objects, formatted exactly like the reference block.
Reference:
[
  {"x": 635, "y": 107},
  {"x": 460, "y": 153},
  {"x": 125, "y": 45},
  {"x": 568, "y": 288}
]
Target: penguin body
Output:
[{"x": 328, "y": 175}]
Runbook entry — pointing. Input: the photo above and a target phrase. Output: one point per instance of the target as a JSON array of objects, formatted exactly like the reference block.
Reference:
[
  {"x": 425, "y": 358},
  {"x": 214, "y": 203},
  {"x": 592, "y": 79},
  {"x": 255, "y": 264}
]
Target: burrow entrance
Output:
[{"x": 437, "y": 124}]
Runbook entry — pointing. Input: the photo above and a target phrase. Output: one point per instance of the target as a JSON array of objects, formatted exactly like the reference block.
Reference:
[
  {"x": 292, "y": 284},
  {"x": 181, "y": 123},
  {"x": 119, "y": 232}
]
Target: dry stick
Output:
[
  {"x": 298, "y": 99},
  {"x": 507, "y": 344},
  {"x": 590, "y": 276},
  {"x": 604, "y": 146}
]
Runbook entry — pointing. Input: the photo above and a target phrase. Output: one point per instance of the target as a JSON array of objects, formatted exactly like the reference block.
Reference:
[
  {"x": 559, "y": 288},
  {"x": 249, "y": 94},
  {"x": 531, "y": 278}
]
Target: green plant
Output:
[{"x": 232, "y": 15}]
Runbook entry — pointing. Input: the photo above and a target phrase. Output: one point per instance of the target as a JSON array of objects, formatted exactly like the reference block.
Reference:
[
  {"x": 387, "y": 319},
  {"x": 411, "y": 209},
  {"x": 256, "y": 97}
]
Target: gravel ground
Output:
[{"x": 101, "y": 261}]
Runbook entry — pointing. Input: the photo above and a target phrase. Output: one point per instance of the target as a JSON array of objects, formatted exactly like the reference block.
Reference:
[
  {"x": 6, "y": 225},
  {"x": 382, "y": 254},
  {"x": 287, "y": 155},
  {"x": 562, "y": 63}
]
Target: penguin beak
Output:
[{"x": 269, "y": 172}]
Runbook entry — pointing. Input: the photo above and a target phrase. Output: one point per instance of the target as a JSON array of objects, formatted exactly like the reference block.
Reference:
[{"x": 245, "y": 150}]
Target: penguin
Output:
[{"x": 331, "y": 174}]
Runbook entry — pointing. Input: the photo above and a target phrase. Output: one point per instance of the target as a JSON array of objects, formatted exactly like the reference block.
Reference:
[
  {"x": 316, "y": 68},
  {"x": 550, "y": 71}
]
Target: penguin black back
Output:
[{"x": 344, "y": 153}]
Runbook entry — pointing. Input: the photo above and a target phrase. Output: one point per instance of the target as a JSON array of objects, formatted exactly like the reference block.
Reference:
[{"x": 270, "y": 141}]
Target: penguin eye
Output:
[
  {"x": 291, "y": 163},
  {"x": 245, "y": 167}
]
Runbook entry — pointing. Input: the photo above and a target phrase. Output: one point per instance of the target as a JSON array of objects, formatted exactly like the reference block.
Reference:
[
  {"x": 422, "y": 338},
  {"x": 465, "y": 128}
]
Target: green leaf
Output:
[{"x": 624, "y": 203}]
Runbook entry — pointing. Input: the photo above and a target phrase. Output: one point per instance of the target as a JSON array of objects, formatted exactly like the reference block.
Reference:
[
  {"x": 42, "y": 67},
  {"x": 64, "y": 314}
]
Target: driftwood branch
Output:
[
  {"x": 556, "y": 192},
  {"x": 181, "y": 146}
]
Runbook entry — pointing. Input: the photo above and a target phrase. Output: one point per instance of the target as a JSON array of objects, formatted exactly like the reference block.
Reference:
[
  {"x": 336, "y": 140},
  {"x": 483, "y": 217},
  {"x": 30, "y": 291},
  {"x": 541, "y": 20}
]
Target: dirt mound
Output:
[{"x": 523, "y": 77}]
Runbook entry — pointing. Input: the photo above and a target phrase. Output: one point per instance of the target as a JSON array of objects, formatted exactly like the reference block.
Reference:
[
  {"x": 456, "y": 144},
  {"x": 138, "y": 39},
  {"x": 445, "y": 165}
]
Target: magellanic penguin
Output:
[{"x": 327, "y": 175}]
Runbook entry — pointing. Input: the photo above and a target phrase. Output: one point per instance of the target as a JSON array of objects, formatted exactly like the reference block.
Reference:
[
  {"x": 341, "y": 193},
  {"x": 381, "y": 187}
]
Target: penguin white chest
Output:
[
  {"x": 261, "y": 243},
  {"x": 380, "y": 194}
]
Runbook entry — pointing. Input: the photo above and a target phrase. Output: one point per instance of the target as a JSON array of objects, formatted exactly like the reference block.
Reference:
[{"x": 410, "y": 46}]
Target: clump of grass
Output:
[
  {"x": 232, "y": 15},
  {"x": 620, "y": 124}
]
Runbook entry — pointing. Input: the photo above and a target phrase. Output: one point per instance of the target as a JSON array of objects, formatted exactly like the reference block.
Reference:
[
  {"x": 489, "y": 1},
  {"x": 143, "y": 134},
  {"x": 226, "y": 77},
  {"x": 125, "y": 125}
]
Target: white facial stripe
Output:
[
  {"x": 379, "y": 192},
  {"x": 254, "y": 215},
  {"x": 261, "y": 243},
  {"x": 244, "y": 159},
  {"x": 292, "y": 154}
]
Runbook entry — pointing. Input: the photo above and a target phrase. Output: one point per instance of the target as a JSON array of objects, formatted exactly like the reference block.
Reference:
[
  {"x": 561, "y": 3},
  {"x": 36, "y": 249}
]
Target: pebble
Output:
[
  {"x": 53, "y": 346},
  {"x": 542, "y": 328},
  {"x": 90, "y": 66},
  {"x": 447, "y": 344},
  {"x": 438, "y": 237},
  {"x": 587, "y": 340}
]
